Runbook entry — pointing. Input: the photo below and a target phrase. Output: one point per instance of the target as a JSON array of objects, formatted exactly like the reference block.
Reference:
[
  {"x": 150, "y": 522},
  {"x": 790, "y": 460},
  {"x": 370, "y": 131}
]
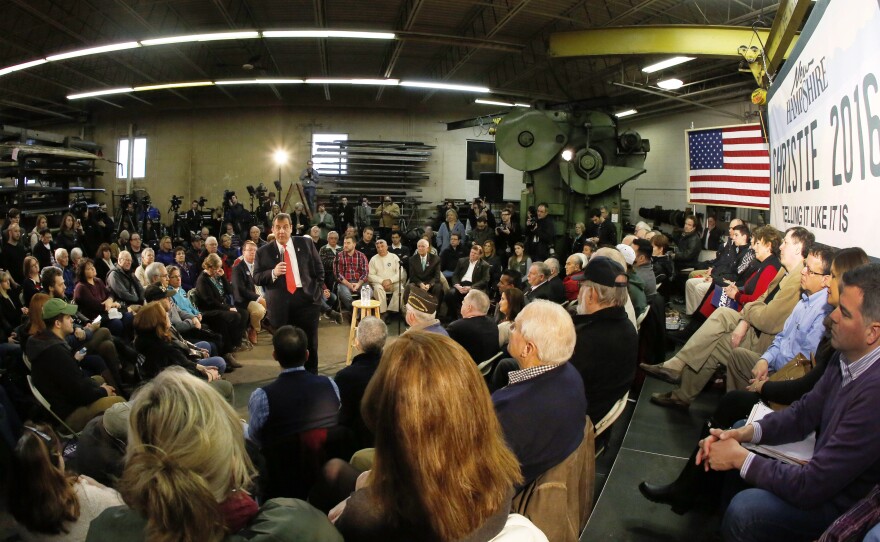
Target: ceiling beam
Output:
[
  {"x": 671, "y": 97},
  {"x": 409, "y": 10}
]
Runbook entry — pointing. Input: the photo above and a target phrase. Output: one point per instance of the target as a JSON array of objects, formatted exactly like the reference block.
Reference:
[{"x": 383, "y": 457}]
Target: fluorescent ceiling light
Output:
[
  {"x": 218, "y": 36},
  {"x": 521, "y": 105},
  {"x": 492, "y": 102},
  {"x": 100, "y": 93},
  {"x": 626, "y": 113},
  {"x": 328, "y": 34},
  {"x": 175, "y": 85},
  {"x": 23, "y": 66},
  {"x": 94, "y": 50},
  {"x": 260, "y": 82},
  {"x": 320, "y": 81},
  {"x": 670, "y": 84},
  {"x": 668, "y": 63},
  {"x": 444, "y": 86}
]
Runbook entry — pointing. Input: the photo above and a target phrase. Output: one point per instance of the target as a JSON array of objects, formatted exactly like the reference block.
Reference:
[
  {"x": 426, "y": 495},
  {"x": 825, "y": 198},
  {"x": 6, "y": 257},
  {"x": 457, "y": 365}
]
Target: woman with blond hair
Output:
[
  {"x": 47, "y": 502},
  {"x": 165, "y": 254},
  {"x": 148, "y": 256},
  {"x": 442, "y": 470},
  {"x": 447, "y": 228},
  {"x": 187, "y": 474}
]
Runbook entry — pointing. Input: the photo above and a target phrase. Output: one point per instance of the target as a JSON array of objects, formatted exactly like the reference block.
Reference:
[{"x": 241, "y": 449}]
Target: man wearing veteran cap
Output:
[
  {"x": 421, "y": 311},
  {"x": 607, "y": 343},
  {"x": 75, "y": 398}
]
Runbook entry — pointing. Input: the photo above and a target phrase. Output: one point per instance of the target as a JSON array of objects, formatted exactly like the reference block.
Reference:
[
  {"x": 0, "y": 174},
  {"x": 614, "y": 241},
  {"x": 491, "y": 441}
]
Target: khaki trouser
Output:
[
  {"x": 709, "y": 348},
  {"x": 380, "y": 295},
  {"x": 224, "y": 388},
  {"x": 256, "y": 312},
  {"x": 78, "y": 419},
  {"x": 739, "y": 368},
  {"x": 694, "y": 291}
]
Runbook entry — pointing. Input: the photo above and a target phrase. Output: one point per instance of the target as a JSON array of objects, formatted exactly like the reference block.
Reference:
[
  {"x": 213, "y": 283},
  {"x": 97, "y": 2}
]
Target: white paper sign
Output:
[{"x": 824, "y": 128}]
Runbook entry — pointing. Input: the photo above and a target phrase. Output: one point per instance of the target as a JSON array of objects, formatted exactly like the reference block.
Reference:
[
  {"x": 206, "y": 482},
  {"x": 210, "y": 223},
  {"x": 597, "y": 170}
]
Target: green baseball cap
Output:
[{"x": 56, "y": 306}]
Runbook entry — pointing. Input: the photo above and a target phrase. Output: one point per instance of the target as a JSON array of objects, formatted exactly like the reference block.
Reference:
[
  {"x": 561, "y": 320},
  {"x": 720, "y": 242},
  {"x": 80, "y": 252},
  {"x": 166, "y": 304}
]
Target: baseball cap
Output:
[
  {"x": 154, "y": 292},
  {"x": 602, "y": 270},
  {"x": 56, "y": 306},
  {"x": 116, "y": 420},
  {"x": 628, "y": 253}
]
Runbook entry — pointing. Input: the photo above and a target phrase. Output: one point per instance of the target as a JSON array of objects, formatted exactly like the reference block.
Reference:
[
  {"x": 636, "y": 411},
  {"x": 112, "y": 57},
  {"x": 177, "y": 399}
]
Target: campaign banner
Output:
[{"x": 824, "y": 128}]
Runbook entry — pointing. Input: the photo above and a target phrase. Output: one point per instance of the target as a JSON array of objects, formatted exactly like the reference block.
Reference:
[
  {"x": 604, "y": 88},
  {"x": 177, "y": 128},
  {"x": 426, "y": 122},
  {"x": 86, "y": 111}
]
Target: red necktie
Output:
[{"x": 291, "y": 280}]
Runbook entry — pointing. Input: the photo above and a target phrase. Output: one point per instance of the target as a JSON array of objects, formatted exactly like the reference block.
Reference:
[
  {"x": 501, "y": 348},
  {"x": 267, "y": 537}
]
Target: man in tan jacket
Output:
[{"x": 754, "y": 328}]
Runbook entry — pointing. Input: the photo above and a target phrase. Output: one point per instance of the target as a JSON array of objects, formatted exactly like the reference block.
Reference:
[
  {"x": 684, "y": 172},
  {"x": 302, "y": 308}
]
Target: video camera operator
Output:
[{"x": 235, "y": 212}]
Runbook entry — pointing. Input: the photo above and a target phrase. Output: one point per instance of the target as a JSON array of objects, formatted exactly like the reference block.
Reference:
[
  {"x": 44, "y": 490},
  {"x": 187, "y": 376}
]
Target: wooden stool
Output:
[{"x": 360, "y": 310}]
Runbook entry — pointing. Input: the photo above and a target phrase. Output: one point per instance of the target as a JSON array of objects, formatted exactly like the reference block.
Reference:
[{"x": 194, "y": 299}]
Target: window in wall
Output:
[
  {"x": 131, "y": 155},
  {"x": 481, "y": 157},
  {"x": 329, "y": 162}
]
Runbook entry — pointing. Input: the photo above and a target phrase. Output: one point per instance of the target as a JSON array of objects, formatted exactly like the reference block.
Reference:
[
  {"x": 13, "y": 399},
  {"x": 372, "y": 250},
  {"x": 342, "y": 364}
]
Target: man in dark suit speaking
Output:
[{"x": 292, "y": 277}]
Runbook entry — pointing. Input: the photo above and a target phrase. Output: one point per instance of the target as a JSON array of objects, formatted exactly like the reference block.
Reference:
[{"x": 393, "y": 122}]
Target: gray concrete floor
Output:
[{"x": 260, "y": 369}]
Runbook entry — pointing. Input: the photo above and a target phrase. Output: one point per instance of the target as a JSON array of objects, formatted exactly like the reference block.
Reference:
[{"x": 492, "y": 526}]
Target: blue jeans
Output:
[
  {"x": 310, "y": 192},
  {"x": 344, "y": 295},
  {"x": 121, "y": 327},
  {"x": 213, "y": 360},
  {"x": 10, "y": 353},
  {"x": 756, "y": 515}
]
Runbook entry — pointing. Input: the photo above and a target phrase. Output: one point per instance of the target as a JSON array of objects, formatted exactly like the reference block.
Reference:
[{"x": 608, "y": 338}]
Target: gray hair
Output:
[
  {"x": 332, "y": 233},
  {"x": 148, "y": 251},
  {"x": 371, "y": 334},
  {"x": 478, "y": 300},
  {"x": 553, "y": 265},
  {"x": 550, "y": 328},
  {"x": 124, "y": 253},
  {"x": 611, "y": 253},
  {"x": 59, "y": 252},
  {"x": 211, "y": 238},
  {"x": 578, "y": 259},
  {"x": 543, "y": 268},
  {"x": 153, "y": 271},
  {"x": 614, "y": 296},
  {"x": 76, "y": 253}
]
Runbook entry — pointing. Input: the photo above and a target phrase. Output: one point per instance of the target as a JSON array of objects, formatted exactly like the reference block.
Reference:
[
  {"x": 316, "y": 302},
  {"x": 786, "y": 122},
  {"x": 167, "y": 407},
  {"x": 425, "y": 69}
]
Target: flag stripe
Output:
[
  {"x": 724, "y": 199},
  {"x": 729, "y": 184},
  {"x": 764, "y": 174},
  {"x": 745, "y": 147},
  {"x": 729, "y": 154},
  {"x": 731, "y": 192},
  {"x": 742, "y": 128},
  {"x": 728, "y": 178},
  {"x": 746, "y": 160}
]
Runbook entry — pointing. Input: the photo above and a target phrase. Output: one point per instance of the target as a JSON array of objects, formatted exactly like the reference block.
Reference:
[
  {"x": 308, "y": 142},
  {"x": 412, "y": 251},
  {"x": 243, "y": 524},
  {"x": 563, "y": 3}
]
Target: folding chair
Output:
[
  {"x": 488, "y": 366},
  {"x": 42, "y": 400},
  {"x": 610, "y": 418}
]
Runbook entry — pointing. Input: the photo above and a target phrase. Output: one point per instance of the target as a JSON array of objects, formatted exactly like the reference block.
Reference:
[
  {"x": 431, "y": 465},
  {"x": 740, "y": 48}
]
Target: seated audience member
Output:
[
  {"x": 324, "y": 221},
  {"x": 482, "y": 233},
  {"x": 470, "y": 273},
  {"x": 68, "y": 273},
  {"x": 450, "y": 255},
  {"x": 642, "y": 229},
  {"x": 255, "y": 235},
  {"x": 798, "y": 502},
  {"x": 491, "y": 257},
  {"x": 47, "y": 502},
  {"x": 247, "y": 295},
  {"x": 607, "y": 347},
  {"x": 644, "y": 268},
  {"x": 422, "y": 486},
  {"x": 574, "y": 264},
  {"x": 180, "y": 298},
  {"x": 475, "y": 331},
  {"x": 94, "y": 299},
  {"x": 315, "y": 236},
  {"x": 297, "y": 400},
  {"x": 602, "y": 232},
  {"x": 538, "y": 278},
  {"x": 165, "y": 253},
  {"x": 543, "y": 408},
  {"x": 554, "y": 282},
  {"x": 399, "y": 249},
  {"x": 100, "y": 448},
  {"x": 687, "y": 254},
  {"x": 424, "y": 271},
  {"x": 615, "y": 255},
  {"x": 664, "y": 269},
  {"x": 75, "y": 398},
  {"x": 187, "y": 474},
  {"x": 801, "y": 332},
  {"x": 635, "y": 287},
  {"x": 386, "y": 277},
  {"x": 590, "y": 248},
  {"x": 352, "y": 380},
  {"x": 754, "y": 327},
  {"x": 155, "y": 340},
  {"x": 695, "y": 485},
  {"x": 509, "y": 307},
  {"x": 104, "y": 261},
  {"x": 126, "y": 288},
  {"x": 188, "y": 276},
  {"x": 30, "y": 285},
  {"x": 351, "y": 270},
  {"x": 509, "y": 279},
  {"x": 148, "y": 256},
  {"x": 213, "y": 291},
  {"x": 421, "y": 312},
  {"x": 719, "y": 269},
  {"x": 44, "y": 251},
  {"x": 328, "y": 254},
  {"x": 135, "y": 249}
]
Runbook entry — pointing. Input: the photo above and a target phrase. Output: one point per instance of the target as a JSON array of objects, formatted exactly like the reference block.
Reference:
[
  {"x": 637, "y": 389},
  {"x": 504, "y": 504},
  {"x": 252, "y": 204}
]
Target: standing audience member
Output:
[
  {"x": 387, "y": 212},
  {"x": 520, "y": 261},
  {"x": 321, "y": 218},
  {"x": 310, "y": 179},
  {"x": 507, "y": 234},
  {"x": 12, "y": 257},
  {"x": 44, "y": 251},
  {"x": 603, "y": 233},
  {"x": 187, "y": 475},
  {"x": 540, "y": 235},
  {"x": 450, "y": 226}
]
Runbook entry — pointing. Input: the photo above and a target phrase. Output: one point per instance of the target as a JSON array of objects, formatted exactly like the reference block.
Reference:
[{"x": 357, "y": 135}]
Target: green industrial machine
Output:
[{"x": 572, "y": 160}]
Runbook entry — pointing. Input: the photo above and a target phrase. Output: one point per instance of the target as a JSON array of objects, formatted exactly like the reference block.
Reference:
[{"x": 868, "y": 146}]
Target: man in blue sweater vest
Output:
[
  {"x": 797, "y": 502},
  {"x": 298, "y": 400},
  {"x": 543, "y": 409}
]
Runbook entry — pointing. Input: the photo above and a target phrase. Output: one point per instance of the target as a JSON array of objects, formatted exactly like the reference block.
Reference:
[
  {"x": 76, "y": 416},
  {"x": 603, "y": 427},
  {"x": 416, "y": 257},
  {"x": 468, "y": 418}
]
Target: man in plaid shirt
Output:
[{"x": 350, "y": 269}]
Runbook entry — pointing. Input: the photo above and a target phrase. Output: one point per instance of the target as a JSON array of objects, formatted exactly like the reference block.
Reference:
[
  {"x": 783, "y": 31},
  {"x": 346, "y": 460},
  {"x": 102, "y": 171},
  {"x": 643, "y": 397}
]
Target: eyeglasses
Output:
[{"x": 809, "y": 271}]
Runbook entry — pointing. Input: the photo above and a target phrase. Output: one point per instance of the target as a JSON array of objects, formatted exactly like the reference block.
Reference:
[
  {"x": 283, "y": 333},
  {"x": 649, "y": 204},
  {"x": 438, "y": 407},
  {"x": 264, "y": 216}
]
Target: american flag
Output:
[{"x": 729, "y": 166}]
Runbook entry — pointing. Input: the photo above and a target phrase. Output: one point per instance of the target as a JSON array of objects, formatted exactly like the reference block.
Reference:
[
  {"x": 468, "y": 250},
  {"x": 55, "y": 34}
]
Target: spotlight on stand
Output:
[
  {"x": 278, "y": 186},
  {"x": 250, "y": 190}
]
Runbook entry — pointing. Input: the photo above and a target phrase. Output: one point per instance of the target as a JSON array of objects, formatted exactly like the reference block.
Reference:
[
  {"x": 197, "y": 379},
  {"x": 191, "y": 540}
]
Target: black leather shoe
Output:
[
  {"x": 668, "y": 400},
  {"x": 232, "y": 362},
  {"x": 668, "y": 494}
]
